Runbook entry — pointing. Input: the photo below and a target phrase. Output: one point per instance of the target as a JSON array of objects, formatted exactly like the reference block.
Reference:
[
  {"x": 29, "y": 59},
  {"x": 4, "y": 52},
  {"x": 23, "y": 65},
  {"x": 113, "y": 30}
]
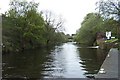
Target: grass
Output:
[{"x": 111, "y": 40}]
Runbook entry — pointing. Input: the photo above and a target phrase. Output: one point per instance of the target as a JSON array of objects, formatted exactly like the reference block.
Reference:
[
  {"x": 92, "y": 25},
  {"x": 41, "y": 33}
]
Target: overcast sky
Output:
[{"x": 73, "y": 11}]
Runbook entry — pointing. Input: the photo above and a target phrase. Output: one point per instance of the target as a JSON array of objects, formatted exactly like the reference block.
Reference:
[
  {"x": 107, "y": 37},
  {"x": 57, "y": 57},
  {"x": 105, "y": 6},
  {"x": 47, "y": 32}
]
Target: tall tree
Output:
[
  {"x": 26, "y": 22},
  {"x": 25, "y": 28},
  {"x": 89, "y": 27},
  {"x": 110, "y": 8}
]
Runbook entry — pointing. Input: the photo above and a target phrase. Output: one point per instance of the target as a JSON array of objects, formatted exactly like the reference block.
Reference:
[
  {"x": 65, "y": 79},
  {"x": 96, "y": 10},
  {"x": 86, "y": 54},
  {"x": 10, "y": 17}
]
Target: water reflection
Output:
[
  {"x": 91, "y": 60},
  {"x": 26, "y": 64},
  {"x": 63, "y": 61}
]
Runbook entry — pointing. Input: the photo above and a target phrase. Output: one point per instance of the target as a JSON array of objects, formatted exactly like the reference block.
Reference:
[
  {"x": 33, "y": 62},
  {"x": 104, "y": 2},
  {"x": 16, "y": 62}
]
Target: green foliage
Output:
[
  {"x": 111, "y": 40},
  {"x": 89, "y": 27},
  {"x": 110, "y": 25},
  {"x": 111, "y": 9},
  {"x": 92, "y": 24},
  {"x": 25, "y": 28}
]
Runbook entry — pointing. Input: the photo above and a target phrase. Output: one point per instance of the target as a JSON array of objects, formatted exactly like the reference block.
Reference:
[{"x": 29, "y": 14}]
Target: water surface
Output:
[{"x": 67, "y": 60}]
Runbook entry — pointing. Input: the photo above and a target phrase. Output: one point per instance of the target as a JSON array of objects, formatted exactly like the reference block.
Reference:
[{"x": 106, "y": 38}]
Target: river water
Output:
[{"x": 67, "y": 60}]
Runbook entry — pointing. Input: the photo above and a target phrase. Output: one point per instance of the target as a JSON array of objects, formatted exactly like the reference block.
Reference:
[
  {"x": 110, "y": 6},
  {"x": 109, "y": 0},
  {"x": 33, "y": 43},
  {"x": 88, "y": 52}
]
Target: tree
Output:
[
  {"x": 26, "y": 28},
  {"x": 26, "y": 23},
  {"x": 89, "y": 27},
  {"x": 55, "y": 21},
  {"x": 53, "y": 24},
  {"x": 110, "y": 25},
  {"x": 110, "y": 8}
]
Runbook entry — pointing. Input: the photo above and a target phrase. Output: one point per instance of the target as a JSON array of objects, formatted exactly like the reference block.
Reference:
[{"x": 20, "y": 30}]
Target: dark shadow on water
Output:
[
  {"x": 91, "y": 60},
  {"x": 25, "y": 64}
]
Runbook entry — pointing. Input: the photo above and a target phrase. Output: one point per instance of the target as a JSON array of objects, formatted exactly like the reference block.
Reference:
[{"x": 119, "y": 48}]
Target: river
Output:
[{"x": 67, "y": 60}]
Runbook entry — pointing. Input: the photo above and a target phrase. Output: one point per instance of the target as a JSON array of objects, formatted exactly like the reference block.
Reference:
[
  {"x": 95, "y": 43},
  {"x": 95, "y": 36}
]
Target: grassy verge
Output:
[{"x": 111, "y": 40}]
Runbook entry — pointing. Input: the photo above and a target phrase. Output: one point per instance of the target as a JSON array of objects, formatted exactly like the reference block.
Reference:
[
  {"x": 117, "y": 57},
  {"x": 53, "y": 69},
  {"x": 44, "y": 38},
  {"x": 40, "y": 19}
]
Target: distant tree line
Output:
[
  {"x": 107, "y": 19},
  {"x": 26, "y": 28}
]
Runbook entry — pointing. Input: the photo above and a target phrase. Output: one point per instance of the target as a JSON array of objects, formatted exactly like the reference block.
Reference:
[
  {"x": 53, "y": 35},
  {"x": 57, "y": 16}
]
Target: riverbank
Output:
[{"x": 110, "y": 65}]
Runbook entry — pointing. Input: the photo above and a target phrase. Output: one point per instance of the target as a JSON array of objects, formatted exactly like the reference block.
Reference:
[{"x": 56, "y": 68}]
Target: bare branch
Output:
[{"x": 53, "y": 20}]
